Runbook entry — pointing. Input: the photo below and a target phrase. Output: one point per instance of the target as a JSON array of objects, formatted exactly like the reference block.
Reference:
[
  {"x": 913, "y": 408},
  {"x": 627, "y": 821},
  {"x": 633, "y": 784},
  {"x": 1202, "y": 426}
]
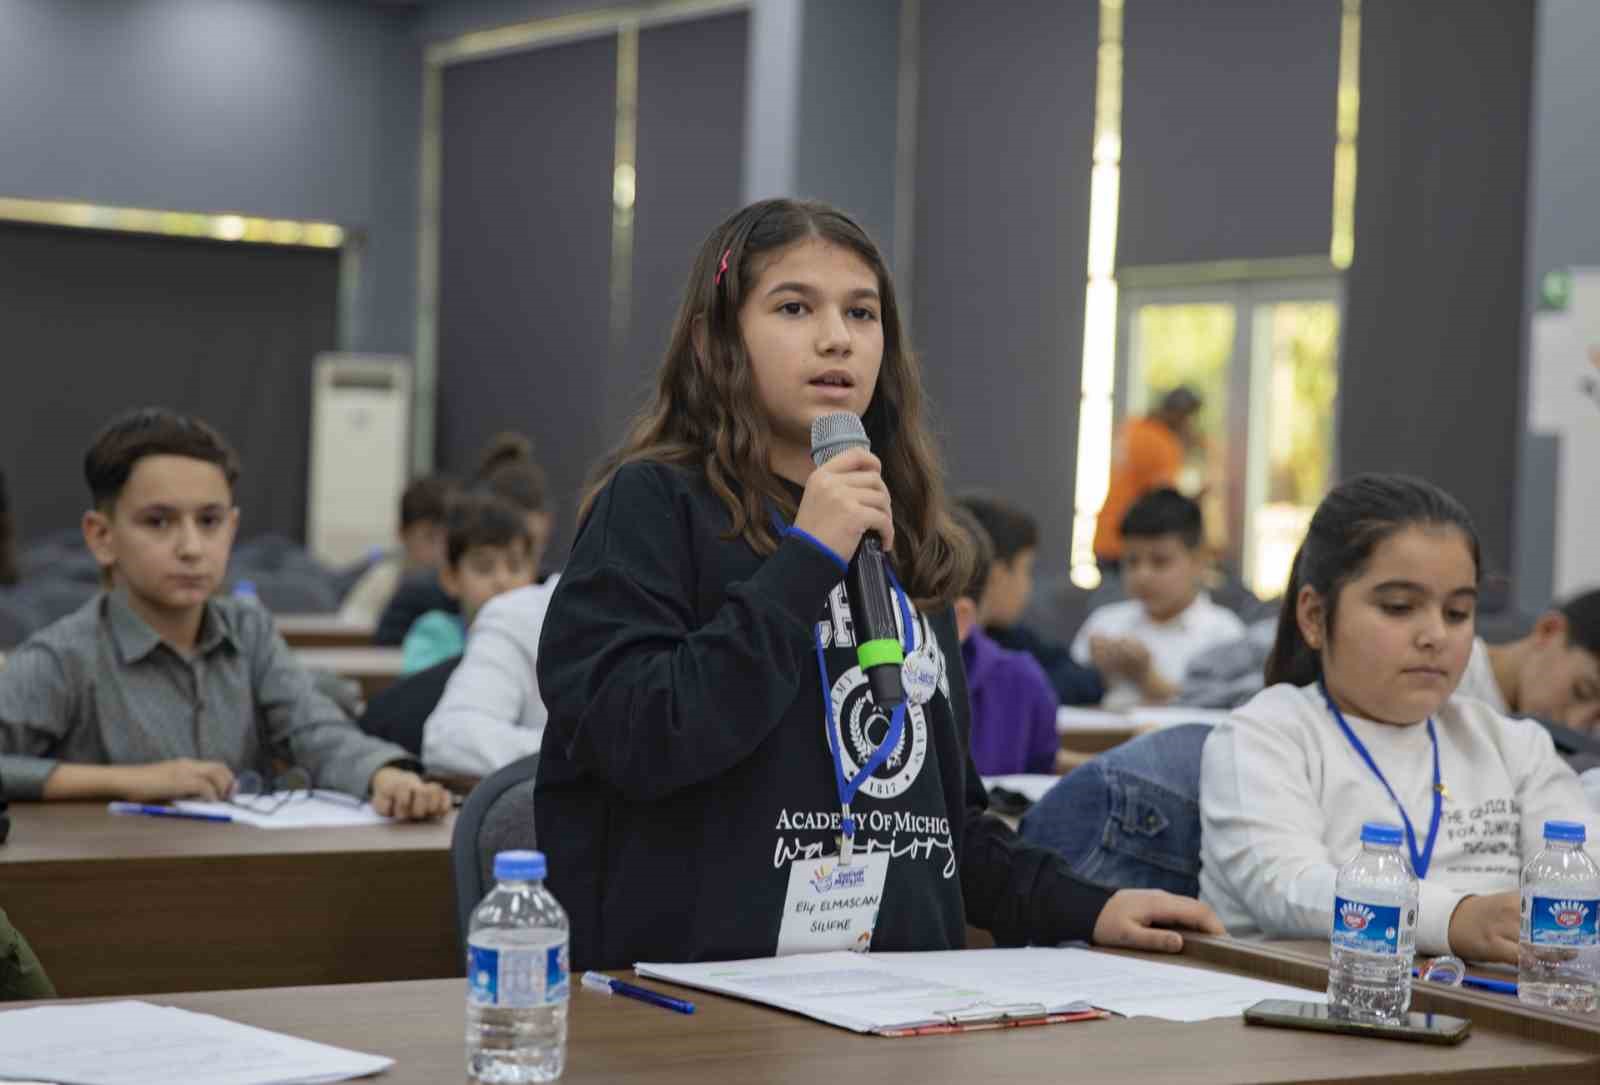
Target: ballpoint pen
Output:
[
  {"x": 147, "y": 810},
  {"x": 598, "y": 982},
  {"x": 1482, "y": 983}
]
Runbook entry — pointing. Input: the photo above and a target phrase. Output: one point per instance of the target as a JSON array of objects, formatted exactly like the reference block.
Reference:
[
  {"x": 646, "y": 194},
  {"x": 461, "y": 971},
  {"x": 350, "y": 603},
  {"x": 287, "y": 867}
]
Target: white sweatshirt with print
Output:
[{"x": 1283, "y": 795}]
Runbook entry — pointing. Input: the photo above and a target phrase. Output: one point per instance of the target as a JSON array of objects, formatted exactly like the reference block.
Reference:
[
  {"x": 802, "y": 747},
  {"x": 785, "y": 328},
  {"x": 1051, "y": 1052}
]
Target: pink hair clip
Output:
[{"x": 723, "y": 270}]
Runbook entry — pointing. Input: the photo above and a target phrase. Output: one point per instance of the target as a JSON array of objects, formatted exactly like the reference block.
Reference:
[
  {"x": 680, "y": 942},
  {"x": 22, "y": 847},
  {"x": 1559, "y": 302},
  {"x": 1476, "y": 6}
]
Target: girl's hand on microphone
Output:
[{"x": 845, "y": 498}]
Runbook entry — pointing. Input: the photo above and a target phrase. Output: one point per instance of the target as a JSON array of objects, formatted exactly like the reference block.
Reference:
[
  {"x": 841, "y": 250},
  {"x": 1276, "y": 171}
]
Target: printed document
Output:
[
  {"x": 878, "y": 992},
  {"x": 134, "y": 1043}
]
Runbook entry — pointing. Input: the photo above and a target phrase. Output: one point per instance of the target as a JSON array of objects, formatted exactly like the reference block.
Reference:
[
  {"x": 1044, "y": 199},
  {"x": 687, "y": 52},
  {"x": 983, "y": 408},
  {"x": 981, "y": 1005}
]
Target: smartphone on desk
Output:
[{"x": 1428, "y": 1028}]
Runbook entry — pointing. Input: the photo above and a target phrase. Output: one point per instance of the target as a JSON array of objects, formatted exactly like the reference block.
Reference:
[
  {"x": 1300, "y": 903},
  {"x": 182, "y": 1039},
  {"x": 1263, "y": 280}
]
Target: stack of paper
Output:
[
  {"x": 885, "y": 992},
  {"x": 137, "y": 1043}
]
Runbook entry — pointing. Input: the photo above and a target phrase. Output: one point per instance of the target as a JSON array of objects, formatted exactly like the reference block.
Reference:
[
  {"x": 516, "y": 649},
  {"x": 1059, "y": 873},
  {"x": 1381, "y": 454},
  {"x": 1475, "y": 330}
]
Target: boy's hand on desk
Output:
[
  {"x": 1136, "y": 660},
  {"x": 183, "y": 778},
  {"x": 1142, "y": 672},
  {"x": 1134, "y": 918},
  {"x": 1487, "y": 927},
  {"x": 397, "y": 793},
  {"x": 1106, "y": 654}
]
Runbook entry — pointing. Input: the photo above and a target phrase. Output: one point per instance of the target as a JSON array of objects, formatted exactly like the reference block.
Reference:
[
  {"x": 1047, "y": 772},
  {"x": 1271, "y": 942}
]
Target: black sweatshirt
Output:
[
  {"x": 417, "y": 594},
  {"x": 685, "y": 764}
]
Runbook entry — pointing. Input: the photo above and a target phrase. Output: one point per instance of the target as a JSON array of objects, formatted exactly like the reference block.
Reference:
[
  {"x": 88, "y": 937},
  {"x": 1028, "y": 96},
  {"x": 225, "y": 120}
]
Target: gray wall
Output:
[
  {"x": 846, "y": 134},
  {"x": 1002, "y": 224},
  {"x": 526, "y": 232},
  {"x": 285, "y": 109},
  {"x": 448, "y": 18},
  {"x": 1227, "y": 130},
  {"x": 1431, "y": 375},
  {"x": 304, "y": 109},
  {"x": 1563, "y": 231},
  {"x": 823, "y": 102},
  {"x": 227, "y": 332},
  {"x": 690, "y": 153},
  {"x": 525, "y": 255}
]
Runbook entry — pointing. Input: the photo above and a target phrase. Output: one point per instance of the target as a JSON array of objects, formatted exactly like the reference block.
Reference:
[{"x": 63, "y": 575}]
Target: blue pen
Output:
[
  {"x": 1483, "y": 983},
  {"x": 1503, "y": 987},
  {"x": 146, "y": 810},
  {"x": 598, "y": 982}
]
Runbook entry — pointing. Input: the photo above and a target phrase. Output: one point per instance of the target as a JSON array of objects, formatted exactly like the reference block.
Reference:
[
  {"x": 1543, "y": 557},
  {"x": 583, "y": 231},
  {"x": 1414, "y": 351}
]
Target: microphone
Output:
[{"x": 866, "y": 582}]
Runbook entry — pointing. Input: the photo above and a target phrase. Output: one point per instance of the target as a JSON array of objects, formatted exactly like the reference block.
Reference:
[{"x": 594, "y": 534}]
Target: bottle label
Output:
[
  {"x": 1560, "y": 921},
  {"x": 1368, "y": 928},
  {"x": 517, "y": 978}
]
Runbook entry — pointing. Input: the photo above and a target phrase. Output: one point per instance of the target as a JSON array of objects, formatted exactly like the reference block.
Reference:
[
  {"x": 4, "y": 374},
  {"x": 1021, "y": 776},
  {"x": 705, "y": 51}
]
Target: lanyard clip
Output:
[{"x": 847, "y": 837}]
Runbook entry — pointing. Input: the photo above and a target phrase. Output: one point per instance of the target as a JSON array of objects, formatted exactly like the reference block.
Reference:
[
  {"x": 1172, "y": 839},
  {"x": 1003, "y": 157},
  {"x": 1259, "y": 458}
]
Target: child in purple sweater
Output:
[{"x": 1013, "y": 703}]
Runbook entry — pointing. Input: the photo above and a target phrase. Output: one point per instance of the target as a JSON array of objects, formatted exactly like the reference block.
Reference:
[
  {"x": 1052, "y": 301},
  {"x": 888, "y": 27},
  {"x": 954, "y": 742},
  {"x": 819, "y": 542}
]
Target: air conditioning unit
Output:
[{"x": 360, "y": 453}]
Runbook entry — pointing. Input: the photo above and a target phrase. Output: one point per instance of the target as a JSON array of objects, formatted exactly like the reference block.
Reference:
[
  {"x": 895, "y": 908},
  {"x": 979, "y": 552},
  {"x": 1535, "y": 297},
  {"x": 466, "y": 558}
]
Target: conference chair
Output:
[
  {"x": 287, "y": 592},
  {"x": 1129, "y": 818},
  {"x": 497, "y": 816}
]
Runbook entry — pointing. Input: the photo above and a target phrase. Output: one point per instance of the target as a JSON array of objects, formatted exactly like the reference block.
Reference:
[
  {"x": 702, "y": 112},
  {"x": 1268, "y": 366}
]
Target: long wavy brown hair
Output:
[{"x": 706, "y": 412}]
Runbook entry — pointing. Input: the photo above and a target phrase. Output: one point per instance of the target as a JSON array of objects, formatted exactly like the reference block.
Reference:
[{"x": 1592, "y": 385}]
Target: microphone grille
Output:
[{"x": 834, "y": 433}]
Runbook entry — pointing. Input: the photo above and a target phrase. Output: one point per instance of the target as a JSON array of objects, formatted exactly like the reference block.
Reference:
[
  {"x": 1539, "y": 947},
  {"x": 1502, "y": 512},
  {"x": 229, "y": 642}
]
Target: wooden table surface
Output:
[
  {"x": 375, "y": 668},
  {"x": 116, "y": 905},
  {"x": 420, "y": 1025},
  {"x": 323, "y": 631}
]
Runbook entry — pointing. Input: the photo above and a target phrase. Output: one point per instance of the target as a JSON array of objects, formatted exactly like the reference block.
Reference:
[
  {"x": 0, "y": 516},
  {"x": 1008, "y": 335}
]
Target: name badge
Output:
[
  {"x": 832, "y": 907},
  {"x": 919, "y": 674}
]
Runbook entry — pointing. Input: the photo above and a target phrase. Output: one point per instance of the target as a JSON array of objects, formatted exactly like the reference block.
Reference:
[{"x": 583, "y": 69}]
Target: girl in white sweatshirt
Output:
[{"x": 1358, "y": 723}]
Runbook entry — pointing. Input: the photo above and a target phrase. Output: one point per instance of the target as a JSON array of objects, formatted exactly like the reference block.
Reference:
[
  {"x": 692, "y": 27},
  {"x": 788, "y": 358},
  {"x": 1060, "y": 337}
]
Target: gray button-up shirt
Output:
[{"x": 101, "y": 687}]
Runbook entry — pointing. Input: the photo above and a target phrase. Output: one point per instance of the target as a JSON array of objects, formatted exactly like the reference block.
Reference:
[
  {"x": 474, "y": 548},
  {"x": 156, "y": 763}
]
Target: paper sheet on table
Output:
[
  {"x": 136, "y": 1043},
  {"x": 1070, "y": 718},
  {"x": 315, "y": 812},
  {"x": 879, "y": 991},
  {"x": 1029, "y": 785}
]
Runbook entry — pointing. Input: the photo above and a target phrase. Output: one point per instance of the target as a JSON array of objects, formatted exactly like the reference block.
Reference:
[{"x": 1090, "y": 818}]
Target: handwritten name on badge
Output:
[{"x": 831, "y": 907}]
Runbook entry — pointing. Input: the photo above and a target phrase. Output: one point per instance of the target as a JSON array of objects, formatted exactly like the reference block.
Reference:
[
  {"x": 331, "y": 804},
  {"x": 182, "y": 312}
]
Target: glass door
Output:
[{"x": 1264, "y": 358}]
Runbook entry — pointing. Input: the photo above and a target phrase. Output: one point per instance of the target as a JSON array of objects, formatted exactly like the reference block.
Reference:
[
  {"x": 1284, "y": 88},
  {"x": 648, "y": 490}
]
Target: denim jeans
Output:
[{"x": 1130, "y": 818}]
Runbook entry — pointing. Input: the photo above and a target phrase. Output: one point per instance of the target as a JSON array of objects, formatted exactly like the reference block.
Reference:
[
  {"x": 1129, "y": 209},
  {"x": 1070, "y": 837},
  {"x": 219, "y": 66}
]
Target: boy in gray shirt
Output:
[{"x": 158, "y": 690}]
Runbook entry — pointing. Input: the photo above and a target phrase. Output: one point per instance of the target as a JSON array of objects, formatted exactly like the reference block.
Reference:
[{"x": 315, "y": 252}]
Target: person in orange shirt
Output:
[{"x": 1149, "y": 454}]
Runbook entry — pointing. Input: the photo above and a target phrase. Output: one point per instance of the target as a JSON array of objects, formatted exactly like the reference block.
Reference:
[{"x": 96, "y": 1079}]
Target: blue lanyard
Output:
[
  {"x": 897, "y": 721},
  {"x": 1420, "y": 860}
]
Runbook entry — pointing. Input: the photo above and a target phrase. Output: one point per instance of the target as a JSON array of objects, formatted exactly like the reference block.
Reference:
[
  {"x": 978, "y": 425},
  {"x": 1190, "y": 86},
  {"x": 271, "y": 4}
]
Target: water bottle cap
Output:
[
  {"x": 1382, "y": 833},
  {"x": 519, "y": 866},
  {"x": 1566, "y": 831}
]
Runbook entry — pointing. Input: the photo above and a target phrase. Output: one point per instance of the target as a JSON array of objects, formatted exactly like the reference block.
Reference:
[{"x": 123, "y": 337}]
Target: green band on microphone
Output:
[{"x": 876, "y": 652}]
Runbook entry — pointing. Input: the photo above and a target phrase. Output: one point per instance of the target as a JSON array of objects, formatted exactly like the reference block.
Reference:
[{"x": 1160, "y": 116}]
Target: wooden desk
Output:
[
  {"x": 419, "y": 1025},
  {"x": 1095, "y": 730},
  {"x": 375, "y": 668},
  {"x": 323, "y": 631},
  {"x": 1306, "y": 962},
  {"x": 116, "y": 905}
]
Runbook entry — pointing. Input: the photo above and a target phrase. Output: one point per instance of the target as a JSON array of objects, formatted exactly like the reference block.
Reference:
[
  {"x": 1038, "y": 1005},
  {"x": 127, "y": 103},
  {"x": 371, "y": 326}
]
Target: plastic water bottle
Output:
[
  {"x": 517, "y": 977},
  {"x": 1559, "y": 962},
  {"x": 246, "y": 589},
  {"x": 1374, "y": 936}
]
